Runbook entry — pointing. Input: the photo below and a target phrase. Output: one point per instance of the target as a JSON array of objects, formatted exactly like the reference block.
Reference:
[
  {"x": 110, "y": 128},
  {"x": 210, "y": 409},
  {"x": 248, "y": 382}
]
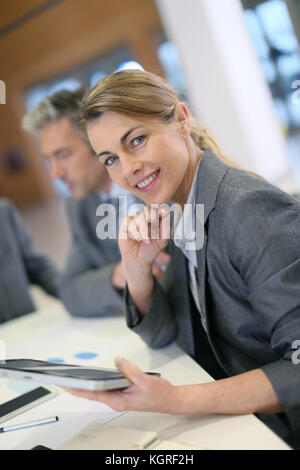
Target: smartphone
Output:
[
  {"x": 64, "y": 375},
  {"x": 24, "y": 401}
]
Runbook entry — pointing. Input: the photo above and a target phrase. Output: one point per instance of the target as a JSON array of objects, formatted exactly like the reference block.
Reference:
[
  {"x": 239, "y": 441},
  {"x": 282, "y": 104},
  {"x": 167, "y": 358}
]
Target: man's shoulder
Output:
[
  {"x": 5, "y": 205},
  {"x": 8, "y": 210},
  {"x": 74, "y": 205}
]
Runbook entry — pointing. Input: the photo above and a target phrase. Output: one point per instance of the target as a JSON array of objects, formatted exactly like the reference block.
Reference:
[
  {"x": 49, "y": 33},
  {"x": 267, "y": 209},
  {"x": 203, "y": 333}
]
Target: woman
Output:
[{"x": 244, "y": 278}]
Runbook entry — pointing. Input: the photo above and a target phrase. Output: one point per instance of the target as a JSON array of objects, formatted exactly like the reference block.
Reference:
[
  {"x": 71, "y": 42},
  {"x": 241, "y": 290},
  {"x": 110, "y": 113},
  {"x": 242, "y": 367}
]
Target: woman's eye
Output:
[
  {"x": 110, "y": 160},
  {"x": 138, "y": 140}
]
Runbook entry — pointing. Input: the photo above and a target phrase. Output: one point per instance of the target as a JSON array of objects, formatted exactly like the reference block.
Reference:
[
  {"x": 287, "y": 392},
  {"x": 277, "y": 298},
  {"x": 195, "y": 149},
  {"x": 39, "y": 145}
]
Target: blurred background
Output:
[{"x": 235, "y": 62}]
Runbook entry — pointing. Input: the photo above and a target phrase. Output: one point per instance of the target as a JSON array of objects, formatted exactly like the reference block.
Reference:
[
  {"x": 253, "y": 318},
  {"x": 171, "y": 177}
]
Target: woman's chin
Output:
[{"x": 157, "y": 200}]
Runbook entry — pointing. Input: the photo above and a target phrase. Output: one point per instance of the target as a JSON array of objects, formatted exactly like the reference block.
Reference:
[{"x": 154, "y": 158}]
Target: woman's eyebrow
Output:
[{"x": 122, "y": 140}]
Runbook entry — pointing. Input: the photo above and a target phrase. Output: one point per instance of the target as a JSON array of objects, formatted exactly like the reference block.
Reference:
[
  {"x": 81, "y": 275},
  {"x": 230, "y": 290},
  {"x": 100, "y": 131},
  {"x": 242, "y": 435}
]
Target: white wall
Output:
[{"x": 225, "y": 84}]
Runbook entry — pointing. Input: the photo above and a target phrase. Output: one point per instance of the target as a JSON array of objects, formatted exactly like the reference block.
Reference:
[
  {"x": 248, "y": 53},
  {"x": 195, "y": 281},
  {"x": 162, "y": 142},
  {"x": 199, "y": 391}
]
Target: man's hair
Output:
[{"x": 62, "y": 104}]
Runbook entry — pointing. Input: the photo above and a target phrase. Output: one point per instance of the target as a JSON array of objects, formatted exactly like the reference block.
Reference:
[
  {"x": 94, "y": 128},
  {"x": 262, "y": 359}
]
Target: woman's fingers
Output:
[
  {"x": 130, "y": 229},
  {"x": 119, "y": 400},
  {"x": 143, "y": 228},
  {"x": 146, "y": 392},
  {"x": 152, "y": 224},
  {"x": 115, "y": 399},
  {"x": 82, "y": 393},
  {"x": 158, "y": 218},
  {"x": 130, "y": 370},
  {"x": 152, "y": 220}
]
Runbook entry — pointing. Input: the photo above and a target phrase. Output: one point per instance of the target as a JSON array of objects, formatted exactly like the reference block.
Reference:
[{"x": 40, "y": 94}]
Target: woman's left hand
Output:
[{"x": 147, "y": 392}]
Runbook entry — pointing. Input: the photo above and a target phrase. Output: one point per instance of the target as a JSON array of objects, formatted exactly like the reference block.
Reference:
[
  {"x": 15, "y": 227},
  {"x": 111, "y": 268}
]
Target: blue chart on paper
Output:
[
  {"x": 86, "y": 355},
  {"x": 82, "y": 355}
]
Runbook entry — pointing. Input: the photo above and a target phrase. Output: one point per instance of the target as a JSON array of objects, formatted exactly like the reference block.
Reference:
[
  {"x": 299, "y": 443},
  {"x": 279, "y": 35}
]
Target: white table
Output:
[{"x": 52, "y": 333}]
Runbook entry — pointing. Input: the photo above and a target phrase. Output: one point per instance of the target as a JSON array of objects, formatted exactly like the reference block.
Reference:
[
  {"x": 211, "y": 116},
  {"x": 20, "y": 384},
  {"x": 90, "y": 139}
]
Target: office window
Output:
[
  {"x": 169, "y": 59},
  {"x": 276, "y": 45},
  {"x": 277, "y": 48}
]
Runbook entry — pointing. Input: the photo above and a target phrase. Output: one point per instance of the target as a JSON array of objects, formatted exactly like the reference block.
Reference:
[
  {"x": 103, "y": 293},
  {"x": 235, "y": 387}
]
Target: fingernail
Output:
[
  {"x": 120, "y": 361},
  {"x": 163, "y": 212}
]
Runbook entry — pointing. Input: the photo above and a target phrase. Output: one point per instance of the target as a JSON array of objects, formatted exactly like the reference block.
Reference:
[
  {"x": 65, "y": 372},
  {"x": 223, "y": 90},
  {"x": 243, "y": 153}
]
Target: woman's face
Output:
[{"x": 147, "y": 158}]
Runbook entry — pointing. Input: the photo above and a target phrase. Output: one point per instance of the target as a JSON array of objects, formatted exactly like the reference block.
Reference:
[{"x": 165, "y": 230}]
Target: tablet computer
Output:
[{"x": 64, "y": 375}]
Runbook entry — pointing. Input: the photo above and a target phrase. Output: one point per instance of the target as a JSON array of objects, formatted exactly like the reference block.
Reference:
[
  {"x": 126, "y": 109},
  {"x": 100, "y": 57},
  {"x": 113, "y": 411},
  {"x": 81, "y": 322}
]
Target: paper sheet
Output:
[{"x": 98, "y": 436}]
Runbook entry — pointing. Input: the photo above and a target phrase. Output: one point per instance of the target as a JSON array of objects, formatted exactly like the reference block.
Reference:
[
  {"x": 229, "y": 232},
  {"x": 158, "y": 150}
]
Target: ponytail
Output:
[{"x": 204, "y": 139}]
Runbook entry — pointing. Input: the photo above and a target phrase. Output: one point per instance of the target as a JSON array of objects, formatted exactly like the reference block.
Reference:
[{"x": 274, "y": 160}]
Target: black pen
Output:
[{"x": 29, "y": 424}]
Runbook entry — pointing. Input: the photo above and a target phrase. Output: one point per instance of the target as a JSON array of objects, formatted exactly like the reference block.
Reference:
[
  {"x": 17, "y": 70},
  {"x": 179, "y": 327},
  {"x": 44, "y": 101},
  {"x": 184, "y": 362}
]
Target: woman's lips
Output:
[{"x": 150, "y": 185}]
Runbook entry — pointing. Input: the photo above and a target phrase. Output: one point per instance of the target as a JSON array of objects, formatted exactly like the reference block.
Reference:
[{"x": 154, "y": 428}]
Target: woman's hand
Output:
[
  {"x": 250, "y": 392},
  {"x": 158, "y": 269},
  {"x": 143, "y": 237},
  {"x": 147, "y": 392},
  {"x": 141, "y": 240}
]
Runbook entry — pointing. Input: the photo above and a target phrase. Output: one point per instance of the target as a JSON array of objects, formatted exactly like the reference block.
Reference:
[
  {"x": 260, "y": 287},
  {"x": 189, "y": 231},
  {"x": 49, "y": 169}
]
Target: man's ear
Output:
[{"x": 183, "y": 119}]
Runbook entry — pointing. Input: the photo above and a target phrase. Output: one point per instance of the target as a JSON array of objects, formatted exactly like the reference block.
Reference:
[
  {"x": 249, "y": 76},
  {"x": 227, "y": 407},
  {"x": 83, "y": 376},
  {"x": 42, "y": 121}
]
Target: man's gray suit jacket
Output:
[
  {"x": 249, "y": 275},
  {"x": 86, "y": 288},
  {"x": 20, "y": 266}
]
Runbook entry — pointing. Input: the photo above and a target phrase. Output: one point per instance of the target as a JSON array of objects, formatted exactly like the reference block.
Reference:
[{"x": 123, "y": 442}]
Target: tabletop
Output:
[{"x": 52, "y": 334}]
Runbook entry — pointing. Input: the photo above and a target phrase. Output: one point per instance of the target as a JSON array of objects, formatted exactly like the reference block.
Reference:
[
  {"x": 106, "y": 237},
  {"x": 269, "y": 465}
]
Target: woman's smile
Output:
[
  {"x": 149, "y": 158},
  {"x": 149, "y": 182}
]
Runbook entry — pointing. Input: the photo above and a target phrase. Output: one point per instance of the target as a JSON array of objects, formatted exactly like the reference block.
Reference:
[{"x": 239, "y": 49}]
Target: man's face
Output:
[{"x": 70, "y": 159}]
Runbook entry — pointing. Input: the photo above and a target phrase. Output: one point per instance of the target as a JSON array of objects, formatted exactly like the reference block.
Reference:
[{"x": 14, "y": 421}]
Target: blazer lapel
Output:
[
  {"x": 201, "y": 265},
  {"x": 210, "y": 174},
  {"x": 4, "y": 243}
]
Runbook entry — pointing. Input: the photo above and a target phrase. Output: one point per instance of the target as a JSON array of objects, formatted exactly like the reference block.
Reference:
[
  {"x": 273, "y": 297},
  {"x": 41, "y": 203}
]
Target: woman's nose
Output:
[{"x": 131, "y": 167}]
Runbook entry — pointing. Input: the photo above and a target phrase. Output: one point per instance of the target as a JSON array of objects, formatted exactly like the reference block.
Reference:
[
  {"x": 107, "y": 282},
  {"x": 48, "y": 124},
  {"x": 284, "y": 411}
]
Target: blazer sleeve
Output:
[
  {"x": 265, "y": 249},
  {"x": 87, "y": 291},
  {"x": 40, "y": 270},
  {"x": 159, "y": 327}
]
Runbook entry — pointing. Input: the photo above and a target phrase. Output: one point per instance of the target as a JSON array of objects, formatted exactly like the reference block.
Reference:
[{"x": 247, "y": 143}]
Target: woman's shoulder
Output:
[
  {"x": 250, "y": 208},
  {"x": 243, "y": 190}
]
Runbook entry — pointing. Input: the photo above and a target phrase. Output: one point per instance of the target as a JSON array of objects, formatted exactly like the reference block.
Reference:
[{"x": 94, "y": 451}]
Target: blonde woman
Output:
[{"x": 243, "y": 279}]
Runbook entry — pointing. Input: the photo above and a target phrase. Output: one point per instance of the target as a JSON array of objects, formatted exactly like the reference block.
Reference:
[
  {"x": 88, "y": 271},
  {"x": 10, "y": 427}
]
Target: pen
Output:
[{"x": 38, "y": 422}]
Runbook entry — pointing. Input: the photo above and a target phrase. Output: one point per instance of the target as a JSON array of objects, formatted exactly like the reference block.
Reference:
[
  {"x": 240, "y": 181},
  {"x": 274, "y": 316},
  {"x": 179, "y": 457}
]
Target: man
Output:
[
  {"x": 21, "y": 265},
  {"x": 93, "y": 280}
]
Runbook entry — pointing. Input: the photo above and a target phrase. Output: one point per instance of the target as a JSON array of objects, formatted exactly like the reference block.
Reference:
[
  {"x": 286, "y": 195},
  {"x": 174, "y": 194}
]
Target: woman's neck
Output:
[{"x": 181, "y": 195}]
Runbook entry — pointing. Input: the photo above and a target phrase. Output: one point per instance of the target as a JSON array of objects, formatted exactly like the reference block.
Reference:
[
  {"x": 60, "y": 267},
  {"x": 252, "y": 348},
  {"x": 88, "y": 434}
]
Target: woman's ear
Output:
[{"x": 183, "y": 119}]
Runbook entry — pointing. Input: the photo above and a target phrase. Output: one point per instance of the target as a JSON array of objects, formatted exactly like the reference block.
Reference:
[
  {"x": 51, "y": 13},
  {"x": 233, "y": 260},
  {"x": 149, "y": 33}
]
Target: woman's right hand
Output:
[
  {"x": 143, "y": 236},
  {"x": 141, "y": 239}
]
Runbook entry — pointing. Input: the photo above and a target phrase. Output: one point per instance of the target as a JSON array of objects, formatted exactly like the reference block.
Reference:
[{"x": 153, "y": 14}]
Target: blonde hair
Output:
[{"x": 139, "y": 94}]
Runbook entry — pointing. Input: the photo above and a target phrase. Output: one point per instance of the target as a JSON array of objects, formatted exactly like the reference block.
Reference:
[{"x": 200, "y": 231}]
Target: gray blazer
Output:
[
  {"x": 86, "y": 288},
  {"x": 249, "y": 274},
  {"x": 21, "y": 265}
]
